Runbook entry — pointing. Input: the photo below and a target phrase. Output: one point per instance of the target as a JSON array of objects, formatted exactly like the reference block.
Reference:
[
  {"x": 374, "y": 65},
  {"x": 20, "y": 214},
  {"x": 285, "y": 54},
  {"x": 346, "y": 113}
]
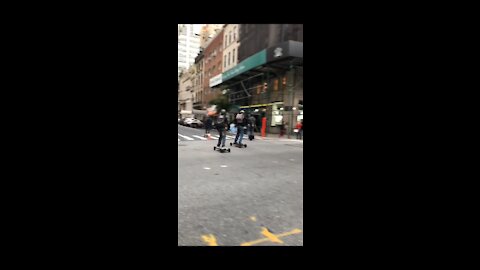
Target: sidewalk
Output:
[{"x": 270, "y": 136}]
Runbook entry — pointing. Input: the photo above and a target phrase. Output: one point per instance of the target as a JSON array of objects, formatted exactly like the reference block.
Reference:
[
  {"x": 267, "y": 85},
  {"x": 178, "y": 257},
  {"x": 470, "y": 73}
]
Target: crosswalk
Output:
[{"x": 201, "y": 138}]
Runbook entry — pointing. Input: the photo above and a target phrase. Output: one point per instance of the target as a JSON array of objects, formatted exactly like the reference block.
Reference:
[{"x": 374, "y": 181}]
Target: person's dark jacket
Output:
[
  {"x": 222, "y": 126},
  {"x": 251, "y": 121}
]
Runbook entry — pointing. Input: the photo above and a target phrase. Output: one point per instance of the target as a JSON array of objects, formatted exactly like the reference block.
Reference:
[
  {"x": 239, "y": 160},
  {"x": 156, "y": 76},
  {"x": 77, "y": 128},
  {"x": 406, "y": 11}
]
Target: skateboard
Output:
[
  {"x": 221, "y": 150},
  {"x": 238, "y": 145}
]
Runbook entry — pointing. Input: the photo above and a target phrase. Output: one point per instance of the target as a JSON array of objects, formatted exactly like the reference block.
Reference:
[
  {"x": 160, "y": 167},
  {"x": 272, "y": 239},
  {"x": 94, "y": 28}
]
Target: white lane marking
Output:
[
  {"x": 185, "y": 137},
  {"x": 201, "y": 138},
  {"x": 206, "y": 168},
  {"x": 223, "y": 166}
]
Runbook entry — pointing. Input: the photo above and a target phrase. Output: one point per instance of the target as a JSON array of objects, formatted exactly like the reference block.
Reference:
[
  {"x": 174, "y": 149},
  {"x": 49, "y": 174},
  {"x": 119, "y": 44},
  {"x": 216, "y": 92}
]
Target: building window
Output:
[
  {"x": 224, "y": 61},
  {"x": 275, "y": 85},
  {"x": 230, "y": 38},
  {"x": 234, "y": 33},
  {"x": 234, "y": 57},
  {"x": 228, "y": 58}
]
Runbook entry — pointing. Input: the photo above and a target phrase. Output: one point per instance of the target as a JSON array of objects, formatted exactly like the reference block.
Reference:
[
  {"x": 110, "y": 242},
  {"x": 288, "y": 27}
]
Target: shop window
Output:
[{"x": 277, "y": 116}]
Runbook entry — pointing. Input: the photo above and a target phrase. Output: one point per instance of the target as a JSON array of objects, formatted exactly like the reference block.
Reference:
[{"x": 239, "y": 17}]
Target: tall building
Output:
[
  {"x": 267, "y": 80},
  {"x": 255, "y": 37},
  {"x": 188, "y": 45},
  {"x": 185, "y": 92},
  {"x": 198, "y": 96},
  {"x": 212, "y": 67},
  {"x": 230, "y": 46},
  {"x": 207, "y": 32}
]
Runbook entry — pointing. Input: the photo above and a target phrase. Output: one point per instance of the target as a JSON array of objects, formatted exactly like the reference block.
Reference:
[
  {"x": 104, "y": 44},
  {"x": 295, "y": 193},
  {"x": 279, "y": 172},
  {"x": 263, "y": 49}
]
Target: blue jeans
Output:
[
  {"x": 222, "y": 135},
  {"x": 239, "y": 137}
]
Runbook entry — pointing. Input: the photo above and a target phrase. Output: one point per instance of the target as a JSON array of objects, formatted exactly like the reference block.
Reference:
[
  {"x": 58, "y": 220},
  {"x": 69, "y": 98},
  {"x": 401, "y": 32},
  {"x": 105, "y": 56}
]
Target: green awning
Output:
[{"x": 253, "y": 61}]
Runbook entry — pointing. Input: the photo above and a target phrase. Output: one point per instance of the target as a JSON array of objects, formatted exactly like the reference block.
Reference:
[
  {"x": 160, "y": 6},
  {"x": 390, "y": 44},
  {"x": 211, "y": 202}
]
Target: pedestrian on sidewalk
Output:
[
  {"x": 298, "y": 129},
  {"x": 251, "y": 127},
  {"x": 208, "y": 126},
  {"x": 233, "y": 129},
  {"x": 282, "y": 128},
  {"x": 301, "y": 130}
]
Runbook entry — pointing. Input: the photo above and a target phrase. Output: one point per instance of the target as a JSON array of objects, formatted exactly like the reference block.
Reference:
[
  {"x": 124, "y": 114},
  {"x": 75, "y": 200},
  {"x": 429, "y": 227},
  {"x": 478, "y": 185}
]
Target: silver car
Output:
[{"x": 192, "y": 122}]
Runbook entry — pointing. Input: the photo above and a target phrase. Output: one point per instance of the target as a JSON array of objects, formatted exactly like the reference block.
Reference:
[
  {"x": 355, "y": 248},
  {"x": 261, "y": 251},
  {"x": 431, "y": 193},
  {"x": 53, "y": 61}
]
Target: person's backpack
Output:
[
  {"x": 240, "y": 118},
  {"x": 220, "y": 120}
]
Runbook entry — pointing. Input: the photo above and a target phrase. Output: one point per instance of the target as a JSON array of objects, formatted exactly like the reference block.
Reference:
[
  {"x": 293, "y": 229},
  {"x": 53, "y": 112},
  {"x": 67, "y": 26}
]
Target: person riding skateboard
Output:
[{"x": 221, "y": 124}]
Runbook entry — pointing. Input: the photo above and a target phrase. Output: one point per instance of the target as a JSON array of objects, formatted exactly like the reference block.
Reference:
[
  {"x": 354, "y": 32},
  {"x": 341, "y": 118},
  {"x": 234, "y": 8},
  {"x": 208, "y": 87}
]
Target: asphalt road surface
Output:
[
  {"x": 251, "y": 196},
  {"x": 197, "y": 134}
]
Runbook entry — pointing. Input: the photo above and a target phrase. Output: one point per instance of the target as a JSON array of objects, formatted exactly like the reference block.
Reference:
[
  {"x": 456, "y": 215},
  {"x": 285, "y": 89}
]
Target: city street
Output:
[
  {"x": 249, "y": 197},
  {"x": 192, "y": 134}
]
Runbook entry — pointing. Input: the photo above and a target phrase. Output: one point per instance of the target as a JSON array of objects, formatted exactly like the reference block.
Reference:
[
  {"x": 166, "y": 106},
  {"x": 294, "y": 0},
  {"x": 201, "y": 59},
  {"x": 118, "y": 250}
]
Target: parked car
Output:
[{"x": 192, "y": 122}]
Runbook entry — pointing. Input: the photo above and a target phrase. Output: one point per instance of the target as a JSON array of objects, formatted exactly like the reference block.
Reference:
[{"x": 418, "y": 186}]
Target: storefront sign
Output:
[
  {"x": 285, "y": 49},
  {"x": 216, "y": 80},
  {"x": 278, "y": 52},
  {"x": 253, "y": 61}
]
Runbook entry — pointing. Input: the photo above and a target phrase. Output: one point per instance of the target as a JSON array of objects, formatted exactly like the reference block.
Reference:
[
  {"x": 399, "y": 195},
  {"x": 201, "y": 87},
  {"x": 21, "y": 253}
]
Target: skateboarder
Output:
[{"x": 221, "y": 124}]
